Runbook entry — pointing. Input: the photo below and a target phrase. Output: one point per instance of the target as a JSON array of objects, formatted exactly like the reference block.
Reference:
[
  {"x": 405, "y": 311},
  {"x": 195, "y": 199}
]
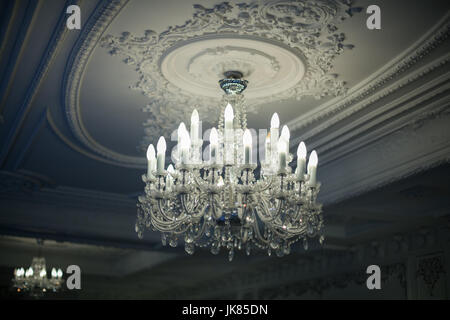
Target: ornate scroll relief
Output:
[{"x": 304, "y": 29}]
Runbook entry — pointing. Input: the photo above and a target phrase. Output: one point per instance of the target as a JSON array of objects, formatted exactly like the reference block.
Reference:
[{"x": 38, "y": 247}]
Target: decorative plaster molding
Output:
[
  {"x": 312, "y": 271},
  {"x": 78, "y": 149},
  {"x": 415, "y": 151},
  {"x": 368, "y": 91},
  {"x": 100, "y": 19},
  {"x": 22, "y": 182},
  {"x": 389, "y": 110},
  {"x": 432, "y": 97},
  {"x": 308, "y": 28},
  {"x": 430, "y": 270}
]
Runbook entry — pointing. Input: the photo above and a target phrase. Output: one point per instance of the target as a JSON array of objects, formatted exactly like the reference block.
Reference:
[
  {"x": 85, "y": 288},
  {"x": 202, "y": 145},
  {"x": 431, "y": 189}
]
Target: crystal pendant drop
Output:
[
  {"x": 231, "y": 255},
  {"x": 321, "y": 239},
  {"x": 189, "y": 248},
  {"x": 173, "y": 242},
  {"x": 248, "y": 248}
]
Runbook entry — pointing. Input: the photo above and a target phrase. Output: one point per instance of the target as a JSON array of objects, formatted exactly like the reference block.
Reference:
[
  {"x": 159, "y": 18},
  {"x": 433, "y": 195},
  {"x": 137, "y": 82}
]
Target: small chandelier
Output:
[
  {"x": 224, "y": 199},
  {"x": 34, "y": 280}
]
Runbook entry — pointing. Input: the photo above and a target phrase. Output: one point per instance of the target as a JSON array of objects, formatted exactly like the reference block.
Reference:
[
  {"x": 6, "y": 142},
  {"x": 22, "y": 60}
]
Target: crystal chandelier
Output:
[
  {"x": 222, "y": 198},
  {"x": 34, "y": 280}
]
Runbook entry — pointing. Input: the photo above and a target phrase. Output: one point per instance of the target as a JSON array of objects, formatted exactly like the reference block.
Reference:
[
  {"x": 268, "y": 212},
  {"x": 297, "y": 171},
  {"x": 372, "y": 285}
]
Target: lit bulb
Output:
[
  {"x": 282, "y": 145},
  {"x": 185, "y": 141},
  {"x": 213, "y": 137},
  {"x": 150, "y": 152},
  {"x": 301, "y": 150},
  {"x": 247, "y": 141},
  {"x": 285, "y": 133},
  {"x": 275, "y": 121},
  {"x": 220, "y": 183},
  {"x": 247, "y": 138},
  {"x": 312, "y": 168},
  {"x": 194, "y": 117},
  {"x": 161, "y": 146},
  {"x": 54, "y": 273},
  {"x": 194, "y": 126},
  {"x": 229, "y": 115},
  {"x": 170, "y": 169},
  {"x": 59, "y": 273},
  {"x": 301, "y": 160},
  {"x": 43, "y": 273},
  {"x": 181, "y": 130},
  {"x": 313, "y": 159}
]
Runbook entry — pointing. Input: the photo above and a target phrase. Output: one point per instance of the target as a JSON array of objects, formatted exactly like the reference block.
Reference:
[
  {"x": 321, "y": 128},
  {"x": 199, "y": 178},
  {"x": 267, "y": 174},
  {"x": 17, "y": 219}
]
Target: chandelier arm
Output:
[
  {"x": 260, "y": 187},
  {"x": 212, "y": 205},
  {"x": 268, "y": 218},
  {"x": 181, "y": 219},
  {"x": 162, "y": 225},
  {"x": 201, "y": 231},
  {"x": 184, "y": 206},
  {"x": 256, "y": 228},
  {"x": 200, "y": 184}
]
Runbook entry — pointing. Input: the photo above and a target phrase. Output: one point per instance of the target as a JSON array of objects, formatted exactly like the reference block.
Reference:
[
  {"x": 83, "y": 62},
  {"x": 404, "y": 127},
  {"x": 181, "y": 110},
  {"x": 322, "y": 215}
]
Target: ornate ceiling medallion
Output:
[{"x": 278, "y": 35}]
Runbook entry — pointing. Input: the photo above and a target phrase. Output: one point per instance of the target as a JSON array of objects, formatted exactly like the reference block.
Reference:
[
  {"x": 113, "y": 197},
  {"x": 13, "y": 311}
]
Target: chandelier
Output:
[
  {"x": 34, "y": 280},
  {"x": 222, "y": 198}
]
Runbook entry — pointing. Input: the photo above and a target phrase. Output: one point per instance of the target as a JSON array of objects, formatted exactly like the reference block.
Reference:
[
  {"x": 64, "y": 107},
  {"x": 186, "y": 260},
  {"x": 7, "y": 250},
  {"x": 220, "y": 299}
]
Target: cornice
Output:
[
  {"x": 370, "y": 90},
  {"x": 379, "y": 168},
  {"x": 98, "y": 22}
]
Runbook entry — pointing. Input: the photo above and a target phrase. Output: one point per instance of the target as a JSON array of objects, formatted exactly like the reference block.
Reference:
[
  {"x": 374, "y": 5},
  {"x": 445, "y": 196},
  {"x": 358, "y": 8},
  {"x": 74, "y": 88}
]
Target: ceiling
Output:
[{"x": 79, "y": 107}]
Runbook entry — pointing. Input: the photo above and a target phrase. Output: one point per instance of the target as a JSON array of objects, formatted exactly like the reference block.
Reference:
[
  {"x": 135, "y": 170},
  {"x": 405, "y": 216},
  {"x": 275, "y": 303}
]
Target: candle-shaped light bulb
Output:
[
  {"x": 180, "y": 131},
  {"x": 312, "y": 168},
  {"x": 301, "y": 150},
  {"x": 29, "y": 272},
  {"x": 43, "y": 273},
  {"x": 301, "y": 160},
  {"x": 275, "y": 121},
  {"x": 161, "y": 146},
  {"x": 185, "y": 145},
  {"x": 161, "y": 155},
  {"x": 268, "y": 149},
  {"x": 59, "y": 273},
  {"x": 274, "y": 135},
  {"x": 286, "y": 135},
  {"x": 220, "y": 183},
  {"x": 214, "y": 137},
  {"x": 54, "y": 273},
  {"x": 151, "y": 152},
  {"x": 247, "y": 141},
  {"x": 229, "y": 116},
  {"x": 151, "y": 160},
  {"x": 214, "y": 143},
  {"x": 194, "y": 125},
  {"x": 281, "y": 153},
  {"x": 169, "y": 178}
]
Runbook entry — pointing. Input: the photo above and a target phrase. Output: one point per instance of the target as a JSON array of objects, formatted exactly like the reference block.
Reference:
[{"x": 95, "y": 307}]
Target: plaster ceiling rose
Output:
[
  {"x": 285, "y": 48},
  {"x": 196, "y": 66}
]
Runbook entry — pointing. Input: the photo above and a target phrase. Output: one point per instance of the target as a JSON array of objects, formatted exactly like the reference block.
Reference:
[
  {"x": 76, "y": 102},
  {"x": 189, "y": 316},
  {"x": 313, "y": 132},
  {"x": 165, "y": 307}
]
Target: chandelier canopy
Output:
[{"x": 222, "y": 198}]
